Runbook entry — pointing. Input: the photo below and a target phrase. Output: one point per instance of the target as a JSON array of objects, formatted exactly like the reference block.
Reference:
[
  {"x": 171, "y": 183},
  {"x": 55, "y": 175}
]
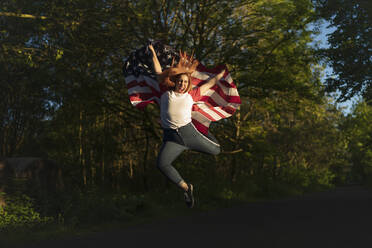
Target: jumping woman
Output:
[{"x": 175, "y": 113}]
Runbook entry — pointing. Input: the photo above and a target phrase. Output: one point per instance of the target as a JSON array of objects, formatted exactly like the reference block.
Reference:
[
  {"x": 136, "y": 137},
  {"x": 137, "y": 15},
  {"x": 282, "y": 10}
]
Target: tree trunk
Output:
[
  {"x": 234, "y": 170},
  {"x": 145, "y": 159},
  {"x": 81, "y": 157}
]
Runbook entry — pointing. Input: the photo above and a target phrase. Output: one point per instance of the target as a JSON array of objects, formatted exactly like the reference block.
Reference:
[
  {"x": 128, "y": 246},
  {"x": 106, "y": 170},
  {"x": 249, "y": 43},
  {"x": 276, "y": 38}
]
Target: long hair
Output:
[{"x": 186, "y": 65}]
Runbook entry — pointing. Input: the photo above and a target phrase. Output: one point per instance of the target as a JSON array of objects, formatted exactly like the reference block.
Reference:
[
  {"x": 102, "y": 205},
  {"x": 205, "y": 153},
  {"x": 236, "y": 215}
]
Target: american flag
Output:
[{"x": 217, "y": 103}]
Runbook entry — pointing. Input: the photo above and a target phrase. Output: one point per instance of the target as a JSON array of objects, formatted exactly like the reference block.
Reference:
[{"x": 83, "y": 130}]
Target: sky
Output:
[{"x": 321, "y": 40}]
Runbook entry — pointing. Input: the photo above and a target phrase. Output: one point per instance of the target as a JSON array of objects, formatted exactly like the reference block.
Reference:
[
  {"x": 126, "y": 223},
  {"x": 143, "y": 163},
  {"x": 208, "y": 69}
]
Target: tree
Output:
[
  {"x": 358, "y": 130},
  {"x": 350, "y": 51},
  {"x": 23, "y": 82},
  {"x": 79, "y": 49}
]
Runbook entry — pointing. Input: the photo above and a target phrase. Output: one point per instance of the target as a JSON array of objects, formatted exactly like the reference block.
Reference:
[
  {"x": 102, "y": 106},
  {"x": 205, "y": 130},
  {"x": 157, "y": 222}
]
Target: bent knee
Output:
[
  {"x": 216, "y": 150},
  {"x": 161, "y": 165}
]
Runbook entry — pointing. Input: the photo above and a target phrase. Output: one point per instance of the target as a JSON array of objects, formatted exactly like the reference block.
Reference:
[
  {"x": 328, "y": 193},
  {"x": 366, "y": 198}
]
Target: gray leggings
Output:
[{"x": 175, "y": 141}]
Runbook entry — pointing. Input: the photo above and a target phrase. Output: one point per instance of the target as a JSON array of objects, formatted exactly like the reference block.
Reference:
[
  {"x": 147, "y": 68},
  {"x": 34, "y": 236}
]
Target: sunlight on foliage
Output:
[{"x": 19, "y": 213}]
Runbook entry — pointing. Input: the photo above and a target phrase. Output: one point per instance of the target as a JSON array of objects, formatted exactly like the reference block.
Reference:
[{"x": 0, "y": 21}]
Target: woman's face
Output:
[{"x": 181, "y": 83}]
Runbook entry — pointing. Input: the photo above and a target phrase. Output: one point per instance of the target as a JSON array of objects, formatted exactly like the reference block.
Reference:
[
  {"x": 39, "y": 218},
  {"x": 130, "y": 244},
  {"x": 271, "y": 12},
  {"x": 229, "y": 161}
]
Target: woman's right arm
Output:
[{"x": 155, "y": 61}]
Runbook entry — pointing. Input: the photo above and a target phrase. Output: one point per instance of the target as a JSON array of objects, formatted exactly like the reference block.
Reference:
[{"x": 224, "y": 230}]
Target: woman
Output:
[{"x": 175, "y": 112}]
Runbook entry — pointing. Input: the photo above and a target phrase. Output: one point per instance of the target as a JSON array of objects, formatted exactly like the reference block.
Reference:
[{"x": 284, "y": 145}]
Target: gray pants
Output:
[{"x": 175, "y": 141}]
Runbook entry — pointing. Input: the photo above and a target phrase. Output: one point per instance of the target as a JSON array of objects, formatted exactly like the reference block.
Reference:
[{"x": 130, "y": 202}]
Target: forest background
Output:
[{"x": 63, "y": 97}]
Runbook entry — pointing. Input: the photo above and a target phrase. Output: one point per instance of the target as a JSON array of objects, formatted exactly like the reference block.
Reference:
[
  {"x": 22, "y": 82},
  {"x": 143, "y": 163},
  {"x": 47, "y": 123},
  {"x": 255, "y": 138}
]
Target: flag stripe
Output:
[{"x": 202, "y": 128}]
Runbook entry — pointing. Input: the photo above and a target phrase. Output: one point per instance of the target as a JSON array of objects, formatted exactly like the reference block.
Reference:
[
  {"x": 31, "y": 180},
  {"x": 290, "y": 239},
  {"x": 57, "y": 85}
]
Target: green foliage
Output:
[
  {"x": 357, "y": 127},
  {"x": 305, "y": 179},
  {"x": 349, "y": 53},
  {"x": 95, "y": 206},
  {"x": 19, "y": 213}
]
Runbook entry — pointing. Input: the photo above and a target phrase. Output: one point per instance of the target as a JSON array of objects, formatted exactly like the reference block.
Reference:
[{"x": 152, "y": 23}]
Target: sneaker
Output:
[{"x": 189, "y": 197}]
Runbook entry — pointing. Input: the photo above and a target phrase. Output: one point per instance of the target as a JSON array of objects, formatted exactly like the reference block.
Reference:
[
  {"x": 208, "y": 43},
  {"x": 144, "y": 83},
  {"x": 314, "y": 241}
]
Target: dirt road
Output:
[{"x": 338, "y": 218}]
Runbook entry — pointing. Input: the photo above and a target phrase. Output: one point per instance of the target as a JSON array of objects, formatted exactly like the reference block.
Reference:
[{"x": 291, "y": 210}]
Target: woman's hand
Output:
[
  {"x": 211, "y": 82},
  {"x": 220, "y": 75},
  {"x": 151, "y": 48},
  {"x": 155, "y": 61}
]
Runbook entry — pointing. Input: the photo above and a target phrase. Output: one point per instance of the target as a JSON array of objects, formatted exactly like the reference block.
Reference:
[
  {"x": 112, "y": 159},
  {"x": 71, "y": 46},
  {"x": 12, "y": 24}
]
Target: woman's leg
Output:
[
  {"x": 196, "y": 141},
  {"x": 168, "y": 153}
]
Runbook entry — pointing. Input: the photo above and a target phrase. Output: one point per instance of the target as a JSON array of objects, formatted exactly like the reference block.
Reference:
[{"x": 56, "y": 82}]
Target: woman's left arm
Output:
[{"x": 211, "y": 82}]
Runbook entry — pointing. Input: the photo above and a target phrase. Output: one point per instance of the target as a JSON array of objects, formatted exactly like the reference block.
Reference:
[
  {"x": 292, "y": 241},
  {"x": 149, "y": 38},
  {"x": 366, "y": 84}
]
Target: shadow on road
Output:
[{"x": 338, "y": 218}]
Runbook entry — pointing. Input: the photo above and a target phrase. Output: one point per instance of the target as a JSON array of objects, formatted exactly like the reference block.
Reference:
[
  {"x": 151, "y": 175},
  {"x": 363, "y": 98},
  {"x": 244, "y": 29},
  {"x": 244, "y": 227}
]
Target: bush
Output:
[
  {"x": 94, "y": 206},
  {"x": 307, "y": 179},
  {"x": 19, "y": 213}
]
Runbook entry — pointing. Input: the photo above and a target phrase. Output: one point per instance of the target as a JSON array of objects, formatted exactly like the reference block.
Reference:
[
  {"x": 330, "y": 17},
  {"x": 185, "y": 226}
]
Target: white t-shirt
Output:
[{"x": 175, "y": 108}]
